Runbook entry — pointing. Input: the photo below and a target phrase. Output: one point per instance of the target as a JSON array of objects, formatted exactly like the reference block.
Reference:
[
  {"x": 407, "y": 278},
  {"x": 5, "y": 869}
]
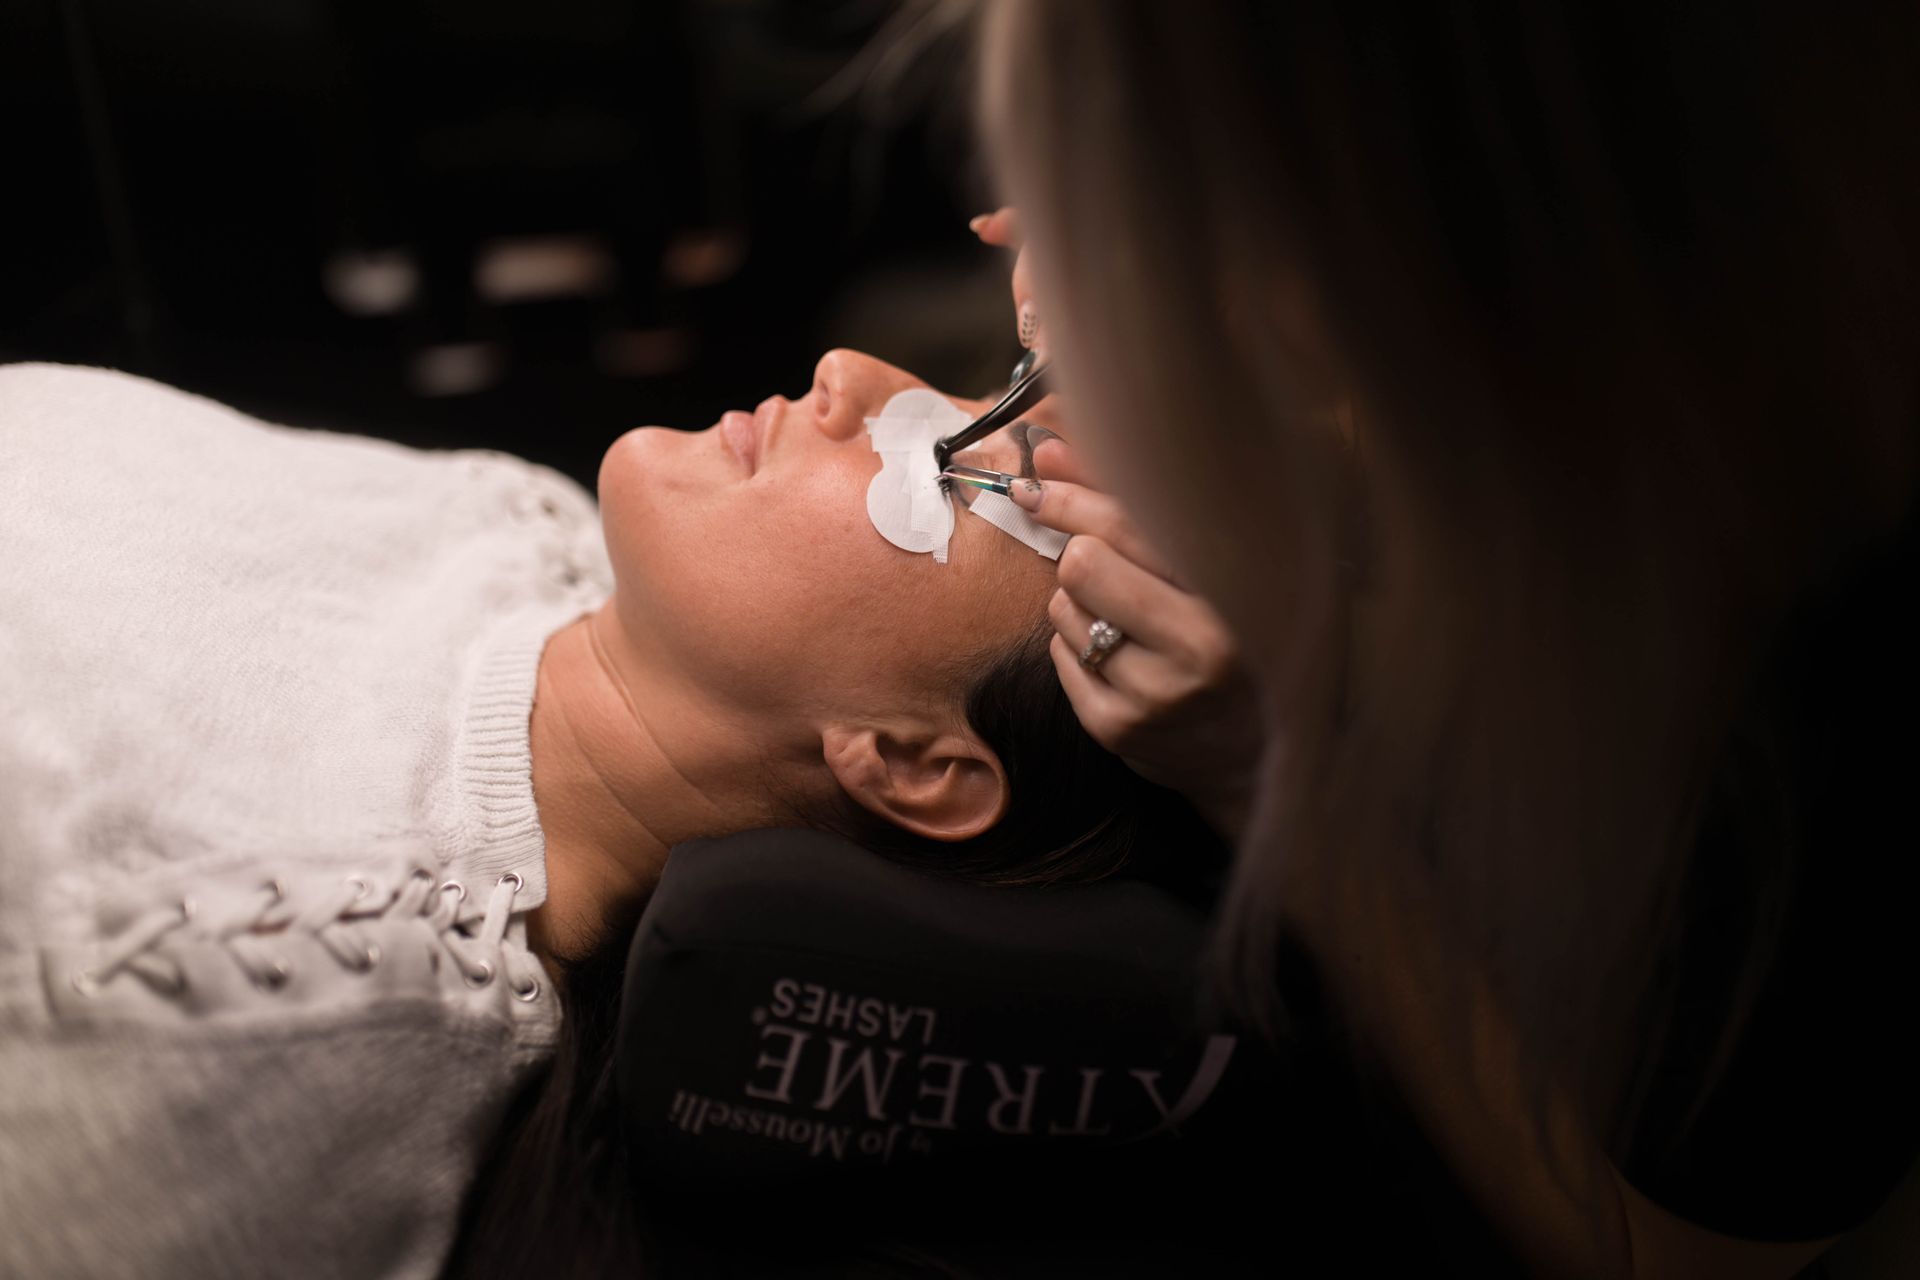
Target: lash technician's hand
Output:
[
  {"x": 1001, "y": 228},
  {"x": 1172, "y": 698}
]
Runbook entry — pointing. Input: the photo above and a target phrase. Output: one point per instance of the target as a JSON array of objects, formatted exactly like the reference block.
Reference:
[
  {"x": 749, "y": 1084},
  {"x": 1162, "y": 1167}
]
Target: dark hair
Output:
[
  {"x": 555, "y": 1195},
  {"x": 1076, "y": 813}
]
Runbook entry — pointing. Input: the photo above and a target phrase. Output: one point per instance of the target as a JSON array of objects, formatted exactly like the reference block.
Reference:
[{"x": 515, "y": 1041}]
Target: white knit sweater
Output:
[{"x": 264, "y": 770}]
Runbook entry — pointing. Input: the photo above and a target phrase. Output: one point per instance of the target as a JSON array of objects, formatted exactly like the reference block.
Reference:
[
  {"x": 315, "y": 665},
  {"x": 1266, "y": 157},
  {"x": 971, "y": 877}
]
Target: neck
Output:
[{"x": 617, "y": 781}]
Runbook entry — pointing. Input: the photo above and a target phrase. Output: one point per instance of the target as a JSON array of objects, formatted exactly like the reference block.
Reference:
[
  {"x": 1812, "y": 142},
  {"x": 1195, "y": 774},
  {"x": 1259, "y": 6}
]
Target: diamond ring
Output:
[{"x": 1102, "y": 639}]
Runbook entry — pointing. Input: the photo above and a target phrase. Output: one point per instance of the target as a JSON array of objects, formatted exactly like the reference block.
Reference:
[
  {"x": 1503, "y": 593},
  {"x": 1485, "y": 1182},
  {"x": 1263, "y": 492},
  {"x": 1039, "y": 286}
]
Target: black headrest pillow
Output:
[{"x": 801, "y": 1015}]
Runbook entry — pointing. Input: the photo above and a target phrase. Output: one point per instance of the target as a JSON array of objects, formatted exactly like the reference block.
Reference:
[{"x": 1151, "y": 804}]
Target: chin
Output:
[
  {"x": 629, "y": 470},
  {"x": 632, "y": 453},
  {"x": 649, "y": 460}
]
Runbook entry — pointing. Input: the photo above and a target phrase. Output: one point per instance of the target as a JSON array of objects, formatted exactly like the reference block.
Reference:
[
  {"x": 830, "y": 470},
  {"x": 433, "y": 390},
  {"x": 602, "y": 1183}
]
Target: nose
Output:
[{"x": 849, "y": 387}]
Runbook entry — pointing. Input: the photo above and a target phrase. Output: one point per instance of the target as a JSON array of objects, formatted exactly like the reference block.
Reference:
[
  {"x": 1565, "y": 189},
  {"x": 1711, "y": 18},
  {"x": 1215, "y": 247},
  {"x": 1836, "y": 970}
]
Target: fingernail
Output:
[
  {"x": 977, "y": 221},
  {"x": 1028, "y": 493}
]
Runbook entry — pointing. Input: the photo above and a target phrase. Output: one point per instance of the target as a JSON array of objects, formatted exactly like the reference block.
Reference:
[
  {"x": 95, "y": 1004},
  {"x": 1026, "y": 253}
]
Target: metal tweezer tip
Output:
[{"x": 980, "y": 478}]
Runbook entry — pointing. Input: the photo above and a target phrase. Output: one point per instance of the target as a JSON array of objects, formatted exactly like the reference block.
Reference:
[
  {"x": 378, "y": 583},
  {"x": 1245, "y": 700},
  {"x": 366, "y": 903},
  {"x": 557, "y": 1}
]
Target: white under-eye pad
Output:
[
  {"x": 1004, "y": 514},
  {"x": 905, "y": 501}
]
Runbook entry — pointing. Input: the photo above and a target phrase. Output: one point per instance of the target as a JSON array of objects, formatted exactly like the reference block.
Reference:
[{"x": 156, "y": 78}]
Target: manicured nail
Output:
[
  {"x": 978, "y": 221},
  {"x": 1028, "y": 493}
]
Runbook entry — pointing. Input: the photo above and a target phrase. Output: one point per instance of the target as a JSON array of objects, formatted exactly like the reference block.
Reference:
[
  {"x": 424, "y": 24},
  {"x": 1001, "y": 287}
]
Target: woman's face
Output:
[{"x": 745, "y": 562}]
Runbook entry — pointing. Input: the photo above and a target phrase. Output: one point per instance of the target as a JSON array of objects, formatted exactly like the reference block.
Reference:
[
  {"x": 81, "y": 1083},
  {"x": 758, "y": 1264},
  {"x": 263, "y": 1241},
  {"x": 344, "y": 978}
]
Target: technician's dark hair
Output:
[{"x": 556, "y": 1196}]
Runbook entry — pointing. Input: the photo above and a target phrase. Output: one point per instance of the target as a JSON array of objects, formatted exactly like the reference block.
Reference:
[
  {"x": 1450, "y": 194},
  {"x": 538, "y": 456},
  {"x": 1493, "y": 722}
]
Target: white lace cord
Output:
[
  {"x": 248, "y": 933},
  {"x": 251, "y": 951},
  {"x": 493, "y": 930},
  {"x": 129, "y": 951}
]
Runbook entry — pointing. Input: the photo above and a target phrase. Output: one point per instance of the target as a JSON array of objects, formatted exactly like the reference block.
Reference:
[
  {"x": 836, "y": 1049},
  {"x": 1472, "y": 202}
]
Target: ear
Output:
[{"x": 941, "y": 784}]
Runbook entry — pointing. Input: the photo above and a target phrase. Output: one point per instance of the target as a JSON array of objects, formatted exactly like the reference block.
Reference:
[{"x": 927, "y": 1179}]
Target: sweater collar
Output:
[{"x": 498, "y": 825}]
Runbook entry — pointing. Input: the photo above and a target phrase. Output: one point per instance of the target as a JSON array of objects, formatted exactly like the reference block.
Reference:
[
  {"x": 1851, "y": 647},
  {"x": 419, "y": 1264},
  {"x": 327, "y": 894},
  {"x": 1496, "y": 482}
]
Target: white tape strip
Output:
[
  {"x": 905, "y": 501},
  {"x": 1004, "y": 514}
]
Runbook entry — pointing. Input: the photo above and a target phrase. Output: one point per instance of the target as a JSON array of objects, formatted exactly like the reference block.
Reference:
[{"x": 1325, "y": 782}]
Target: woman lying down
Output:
[{"x": 324, "y": 762}]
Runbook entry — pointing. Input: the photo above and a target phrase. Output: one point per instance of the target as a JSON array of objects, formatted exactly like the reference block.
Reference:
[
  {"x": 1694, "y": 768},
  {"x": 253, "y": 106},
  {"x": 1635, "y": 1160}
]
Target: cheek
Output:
[
  {"x": 774, "y": 592},
  {"x": 827, "y": 590}
]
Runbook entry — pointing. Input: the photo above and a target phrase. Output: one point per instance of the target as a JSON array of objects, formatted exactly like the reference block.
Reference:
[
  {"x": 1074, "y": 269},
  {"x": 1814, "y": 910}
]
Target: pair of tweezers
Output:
[
  {"x": 1029, "y": 388},
  {"x": 980, "y": 478}
]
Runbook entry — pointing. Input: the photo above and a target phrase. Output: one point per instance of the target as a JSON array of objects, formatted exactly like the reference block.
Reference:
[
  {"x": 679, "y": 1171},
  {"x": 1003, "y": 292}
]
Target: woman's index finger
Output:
[
  {"x": 1001, "y": 228},
  {"x": 1076, "y": 509},
  {"x": 1055, "y": 459}
]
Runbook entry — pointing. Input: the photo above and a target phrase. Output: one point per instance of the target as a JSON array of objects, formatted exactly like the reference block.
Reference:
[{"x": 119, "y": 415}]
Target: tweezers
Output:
[
  {"x": 1029, "y": 388},
  {"x": 980, "y": 478}
]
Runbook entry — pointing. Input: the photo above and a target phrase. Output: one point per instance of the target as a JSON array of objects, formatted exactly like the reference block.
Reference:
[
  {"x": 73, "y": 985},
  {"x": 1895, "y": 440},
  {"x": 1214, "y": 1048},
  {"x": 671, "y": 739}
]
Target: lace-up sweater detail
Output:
[
  {"x": 423, "y": 931},
  {"x": 268, "y": 839},
  {"x": 330, "y": 921}
]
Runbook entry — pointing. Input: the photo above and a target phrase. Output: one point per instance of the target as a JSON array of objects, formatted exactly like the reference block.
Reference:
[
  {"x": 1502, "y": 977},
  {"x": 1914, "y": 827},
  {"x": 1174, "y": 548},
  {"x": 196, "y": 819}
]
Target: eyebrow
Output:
[{"x": 1018, "y": 434}]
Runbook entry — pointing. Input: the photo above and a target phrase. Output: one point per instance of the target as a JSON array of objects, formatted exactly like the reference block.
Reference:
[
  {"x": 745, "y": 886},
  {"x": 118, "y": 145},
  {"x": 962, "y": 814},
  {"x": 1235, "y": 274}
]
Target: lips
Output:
[
  {"x": 746, "y": 434},
  {"x": 741, "y": 433}
]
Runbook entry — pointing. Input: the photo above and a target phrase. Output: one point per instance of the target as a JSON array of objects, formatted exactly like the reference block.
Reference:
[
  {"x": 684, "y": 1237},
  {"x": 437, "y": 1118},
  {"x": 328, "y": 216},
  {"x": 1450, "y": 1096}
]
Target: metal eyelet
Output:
[
  {"x": 87, "y": 983},
  {"x": 370, "y": 959},
  {"x": 483, "y": 979},
  {"x": 532, "y": 991},
  {"x": 276, "y": 977},
  {"x": 518, "y": 883}
]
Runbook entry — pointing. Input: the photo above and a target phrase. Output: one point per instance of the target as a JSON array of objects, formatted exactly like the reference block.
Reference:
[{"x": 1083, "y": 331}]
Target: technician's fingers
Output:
[
  {"x": 1026, "y": 314},
  {"x": 1080, "y": 511},
  {"x": 1137, "y": 669},
  {"x": 1105, "y": 713},
  {"x": 1055, "y": 459},
  {"x": 1001, "y": 228},
  {"x": 1108, "y": 585}
]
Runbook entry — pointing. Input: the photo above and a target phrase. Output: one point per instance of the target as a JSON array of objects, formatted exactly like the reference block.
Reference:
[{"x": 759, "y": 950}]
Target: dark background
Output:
[{"x": 196, "y": 188}]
